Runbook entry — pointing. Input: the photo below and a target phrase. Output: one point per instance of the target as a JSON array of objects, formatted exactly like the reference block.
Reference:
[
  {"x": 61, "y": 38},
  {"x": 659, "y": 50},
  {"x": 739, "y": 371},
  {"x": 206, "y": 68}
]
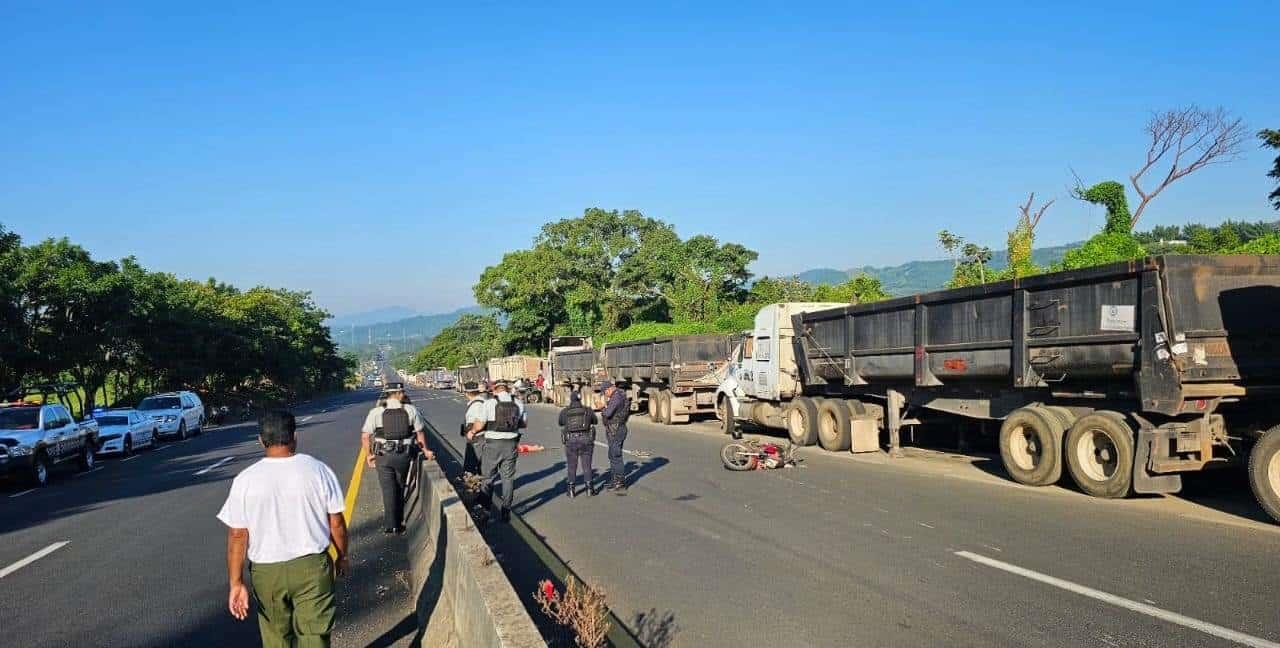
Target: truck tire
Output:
[
  {"x": 86, "y": 460},
  {"x": 834, "y": 433},
  {"x": 725, "y": 412},
  {"x": 1264, "y": 472},
  {"x": 1031, "y": 446},
  {"x": 40, "y": 469},
  {"x": 1099, "y": 452},
  {"x": 664, "y": 407},
  {"x": 802, "y": 421},
  {"x": 652, "y": 405}
]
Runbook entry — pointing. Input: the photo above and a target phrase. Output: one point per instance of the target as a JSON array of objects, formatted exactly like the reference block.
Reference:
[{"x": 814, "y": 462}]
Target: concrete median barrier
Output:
[{"x": 462, "y": 597}]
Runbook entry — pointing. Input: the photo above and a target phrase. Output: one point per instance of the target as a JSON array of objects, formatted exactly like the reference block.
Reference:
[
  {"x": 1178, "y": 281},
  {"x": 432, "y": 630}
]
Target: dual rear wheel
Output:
[{"x": 1097, "y": 449}]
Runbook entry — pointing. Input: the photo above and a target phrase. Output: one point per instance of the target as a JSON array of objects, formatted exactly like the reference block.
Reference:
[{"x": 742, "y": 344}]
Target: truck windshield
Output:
[
  {"x": 160, "y": 403},
  {"x": 107, "y": 421},
  {"x": 22, "y": 418}
]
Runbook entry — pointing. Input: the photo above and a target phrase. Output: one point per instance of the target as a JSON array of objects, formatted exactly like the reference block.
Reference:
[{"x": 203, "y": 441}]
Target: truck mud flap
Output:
[{"x": 1144, "y": 481}]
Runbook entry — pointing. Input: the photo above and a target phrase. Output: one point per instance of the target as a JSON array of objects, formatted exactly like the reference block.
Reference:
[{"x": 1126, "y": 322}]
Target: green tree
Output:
[
  {"x": 862, "y": 289},
  {"x": 473, "y": 339},
  {"x": 1271, "y": 139},
  {"x": 710, "y": 278}
]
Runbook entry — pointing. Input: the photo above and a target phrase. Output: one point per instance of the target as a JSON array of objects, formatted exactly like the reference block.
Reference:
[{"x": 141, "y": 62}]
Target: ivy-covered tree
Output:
[{"x": 1271, "y": 139}]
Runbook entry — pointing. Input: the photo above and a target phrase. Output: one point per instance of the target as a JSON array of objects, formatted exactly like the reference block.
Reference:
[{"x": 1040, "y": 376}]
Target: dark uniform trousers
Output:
[
  {"x": 578, "y": 449},
  {"x": 498, "y": 459},
  {"x": 393, "y": 472},
  {"x": 471, "y": 457},
  {"x": 616, "y": 435}
]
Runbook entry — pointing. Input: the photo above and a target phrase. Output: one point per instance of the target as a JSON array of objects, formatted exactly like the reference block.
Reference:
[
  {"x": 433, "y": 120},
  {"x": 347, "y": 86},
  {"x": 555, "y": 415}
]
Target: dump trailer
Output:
[
  {"x": 1125, "y": 375},
  {"x": 442, "y": 378},
  {"x": 672, "y": 378},
  {"x": 572, "y": 364},
  {"x": 472, "y": 374},
  {"x": 520, "y": 368}
]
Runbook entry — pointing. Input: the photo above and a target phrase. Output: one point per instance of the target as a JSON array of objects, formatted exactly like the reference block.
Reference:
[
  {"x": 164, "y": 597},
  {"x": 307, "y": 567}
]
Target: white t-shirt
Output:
[
  {"x": 285, "y": 504},
  {"x": 491, "y": 414}
]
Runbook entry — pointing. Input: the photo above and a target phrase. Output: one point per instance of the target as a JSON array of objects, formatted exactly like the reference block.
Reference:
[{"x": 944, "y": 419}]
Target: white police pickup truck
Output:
[{"x": 35, "y": 438}]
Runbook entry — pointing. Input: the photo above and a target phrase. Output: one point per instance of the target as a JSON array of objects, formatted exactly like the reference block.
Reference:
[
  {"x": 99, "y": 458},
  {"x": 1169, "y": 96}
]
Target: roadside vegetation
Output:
[
  {"x": 619, "y": 276},
  {"x": 120, "y": 331}
]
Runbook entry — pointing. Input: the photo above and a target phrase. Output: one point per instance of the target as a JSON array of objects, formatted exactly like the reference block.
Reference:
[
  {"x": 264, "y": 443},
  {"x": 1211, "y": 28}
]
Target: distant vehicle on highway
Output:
[
  {"x": 177, "y": 414},
  {"x": 123, "y": 430},
  {"x": 35, "y": 438}
]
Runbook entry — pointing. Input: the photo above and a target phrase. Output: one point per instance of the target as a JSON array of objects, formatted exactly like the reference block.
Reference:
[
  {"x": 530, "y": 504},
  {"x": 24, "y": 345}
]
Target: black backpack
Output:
[
  {"x": 577, "y": 420},
  {"x": 506, "y": 416},
  {"x": 395, "y": 425}
]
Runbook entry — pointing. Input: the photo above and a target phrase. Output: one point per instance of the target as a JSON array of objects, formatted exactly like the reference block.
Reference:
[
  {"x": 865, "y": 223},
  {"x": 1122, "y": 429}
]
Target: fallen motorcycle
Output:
[{"x": 751, "y": 454}]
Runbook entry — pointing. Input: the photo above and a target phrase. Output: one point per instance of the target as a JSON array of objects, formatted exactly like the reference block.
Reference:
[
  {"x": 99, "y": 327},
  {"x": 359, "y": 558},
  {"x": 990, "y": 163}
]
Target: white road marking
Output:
[
  {"x": 304, "y": 419},
  {"x": 82, "y": 474},
  {"x": 129, "y": 458},
  {"x": 1133, "y": 606},
  {"x": 602, "y": 444},
  {"x": 927, "y": 526},
  {"x": 33, "y": 557},
  {"x": 220, "y": 462},
  {"x": 29, "y": 490}
]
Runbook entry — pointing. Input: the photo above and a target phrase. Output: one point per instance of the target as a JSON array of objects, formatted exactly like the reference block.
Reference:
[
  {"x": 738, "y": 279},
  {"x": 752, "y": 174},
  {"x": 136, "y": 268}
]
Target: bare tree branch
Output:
[
  {"x": 1033, "y": 220},
  {"x": 1209, "y": 136}
]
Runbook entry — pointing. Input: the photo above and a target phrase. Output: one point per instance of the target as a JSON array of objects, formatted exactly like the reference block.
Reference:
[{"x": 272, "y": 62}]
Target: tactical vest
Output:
[{"x": 395, "y": 425}]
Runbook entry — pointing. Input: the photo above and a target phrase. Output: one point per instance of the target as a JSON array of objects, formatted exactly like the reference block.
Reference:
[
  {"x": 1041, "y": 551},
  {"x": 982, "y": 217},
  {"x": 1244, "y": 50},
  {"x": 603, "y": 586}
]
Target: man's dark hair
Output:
[{"x": 277, "y": 427}]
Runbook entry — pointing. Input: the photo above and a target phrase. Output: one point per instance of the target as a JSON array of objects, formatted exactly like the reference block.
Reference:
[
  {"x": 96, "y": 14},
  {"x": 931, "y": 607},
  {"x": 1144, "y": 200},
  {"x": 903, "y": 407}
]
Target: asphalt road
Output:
[
  {"x": 863, "y": 550},
  {"x": 143, "y": 562}
]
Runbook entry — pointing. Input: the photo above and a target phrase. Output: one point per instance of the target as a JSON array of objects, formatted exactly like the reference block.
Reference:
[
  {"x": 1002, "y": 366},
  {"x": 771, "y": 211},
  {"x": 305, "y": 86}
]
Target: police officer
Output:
[
  {"x": 617, "y": 409},
  {"x": 476, "y": 397},
  {"x": 504, "y": 418},
  {"x": 389, "y": 444},
  {"x": 578, "y": 431}
]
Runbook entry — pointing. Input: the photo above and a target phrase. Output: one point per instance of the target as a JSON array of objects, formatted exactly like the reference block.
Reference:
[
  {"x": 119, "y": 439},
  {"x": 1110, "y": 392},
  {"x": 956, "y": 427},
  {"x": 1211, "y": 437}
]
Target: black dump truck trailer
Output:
[
  {"x": 1124, "y": 375},
  {"x": 472, "y": 374},
  {"x": 672, "y": 378},
  {"x": 572, "y": 371}
]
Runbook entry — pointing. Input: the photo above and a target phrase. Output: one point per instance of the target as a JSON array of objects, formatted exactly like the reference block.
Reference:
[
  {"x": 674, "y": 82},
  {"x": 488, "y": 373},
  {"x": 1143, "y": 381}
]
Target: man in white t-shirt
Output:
[{"x": 282, "y": 514}]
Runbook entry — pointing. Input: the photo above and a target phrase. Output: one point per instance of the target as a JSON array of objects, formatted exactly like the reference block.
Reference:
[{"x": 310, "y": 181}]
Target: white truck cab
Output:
[{"x": 762, "y": 374}]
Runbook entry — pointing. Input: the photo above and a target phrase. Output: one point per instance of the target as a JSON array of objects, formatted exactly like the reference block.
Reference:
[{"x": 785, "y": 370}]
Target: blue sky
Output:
[{"x": 386, "y": 154}]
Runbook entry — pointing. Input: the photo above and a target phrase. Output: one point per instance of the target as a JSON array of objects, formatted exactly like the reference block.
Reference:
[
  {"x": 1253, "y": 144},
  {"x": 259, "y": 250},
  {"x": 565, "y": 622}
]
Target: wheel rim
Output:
[
  {"x": 1024, "y": 448},
  {"x": 128, "y": 446},
  {"x": 88, "y": 458},
  {"x": 827, "y": 426},
  {"x": 1273, "y": 473},
  {"x": 1097, "y": 455},
  {"x": 795, "y": 423},
  {"x": 736, "y": 455},
  {"x": 42, "y": 472}
]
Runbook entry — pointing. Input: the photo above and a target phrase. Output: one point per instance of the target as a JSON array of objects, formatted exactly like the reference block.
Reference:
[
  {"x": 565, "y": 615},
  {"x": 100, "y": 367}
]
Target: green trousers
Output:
[{"x": 295, "y": 601}]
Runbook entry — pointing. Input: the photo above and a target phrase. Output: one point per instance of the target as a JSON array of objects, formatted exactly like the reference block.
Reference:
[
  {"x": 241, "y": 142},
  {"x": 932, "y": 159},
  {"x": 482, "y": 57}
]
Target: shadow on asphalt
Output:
[
  {"x": 655, "y": 629},
  {"x": 62, "y": 497}
]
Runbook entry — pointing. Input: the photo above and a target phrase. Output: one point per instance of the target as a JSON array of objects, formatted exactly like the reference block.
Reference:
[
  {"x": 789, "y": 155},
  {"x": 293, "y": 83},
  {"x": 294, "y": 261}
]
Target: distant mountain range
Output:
[
  {"x": 923, "y": 276},
  {"x": 375, "y": 316},
  {"x": 410, "y": 332}
]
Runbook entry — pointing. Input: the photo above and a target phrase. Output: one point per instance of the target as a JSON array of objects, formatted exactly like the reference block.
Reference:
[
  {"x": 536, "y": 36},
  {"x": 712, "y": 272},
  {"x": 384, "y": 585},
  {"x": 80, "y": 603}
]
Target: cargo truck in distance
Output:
[
  {"x": 672, "y": 378},
  {"x": 1124, "y": 376},
  {"x": 472, "y": 374},
  {"x": 572, "y": 364},
  {"x": 520, "y": 370}
]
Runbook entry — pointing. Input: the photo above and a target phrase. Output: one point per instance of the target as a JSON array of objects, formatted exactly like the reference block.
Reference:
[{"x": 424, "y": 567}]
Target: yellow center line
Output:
[{"x": 353, "y": 490}]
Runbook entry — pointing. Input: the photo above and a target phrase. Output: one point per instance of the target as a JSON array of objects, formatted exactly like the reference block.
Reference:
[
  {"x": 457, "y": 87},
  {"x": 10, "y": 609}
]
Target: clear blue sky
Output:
[{"x": 315, "y": 148}]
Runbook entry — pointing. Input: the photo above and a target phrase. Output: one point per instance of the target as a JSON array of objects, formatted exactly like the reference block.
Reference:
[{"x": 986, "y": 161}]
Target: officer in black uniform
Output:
[
  {"x": 578, "y": 431},
  {"x": 617, "y": 409},
  {"x": 390, "y": 445}
]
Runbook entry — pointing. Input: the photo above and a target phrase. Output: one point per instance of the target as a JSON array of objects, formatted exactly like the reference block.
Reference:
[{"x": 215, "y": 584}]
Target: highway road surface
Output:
[
  {"x": 131, "y": 554},
  {"x": 868, "y": 551}
]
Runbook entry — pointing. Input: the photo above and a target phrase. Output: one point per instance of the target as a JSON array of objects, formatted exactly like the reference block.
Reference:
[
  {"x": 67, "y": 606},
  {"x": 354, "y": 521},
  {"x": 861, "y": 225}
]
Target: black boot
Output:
[
  {"x": 572, "y": 493},
  {"x": 619, "y": 486},
  {"x": 613, "y": 482},
  {"x": 592, "y": 491}
]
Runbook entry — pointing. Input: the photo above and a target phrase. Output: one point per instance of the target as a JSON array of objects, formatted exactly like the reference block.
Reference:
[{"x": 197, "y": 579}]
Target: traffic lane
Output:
[
  {"x": 763, "y": 498},
  {"x": 156, "y": 559}
]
